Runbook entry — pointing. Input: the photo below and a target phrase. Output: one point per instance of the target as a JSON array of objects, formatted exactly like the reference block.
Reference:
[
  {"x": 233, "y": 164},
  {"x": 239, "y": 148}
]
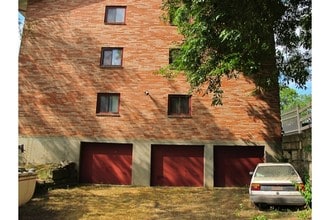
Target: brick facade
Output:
[{"x": 60, "y": 76}]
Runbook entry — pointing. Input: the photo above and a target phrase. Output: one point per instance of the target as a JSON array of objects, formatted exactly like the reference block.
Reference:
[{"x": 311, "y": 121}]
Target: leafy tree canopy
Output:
[
  {"x": 290, "y": 99},
  {"x": 225, "y": 37}
]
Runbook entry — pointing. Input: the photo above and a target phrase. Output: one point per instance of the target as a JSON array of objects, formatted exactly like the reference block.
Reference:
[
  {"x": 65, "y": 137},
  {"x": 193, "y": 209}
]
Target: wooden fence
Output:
[
  {"x": 296, "y": 120},
  {"x": 297, "y": 136}
]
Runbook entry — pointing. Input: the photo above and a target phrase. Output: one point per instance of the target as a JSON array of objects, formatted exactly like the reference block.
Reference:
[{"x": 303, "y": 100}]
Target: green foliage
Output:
[
  {"x": 307, "y": 191},
  {"x": 224, "y": 38},
  {"x": 260, "y": 217},
  {"x": 308, "y": 148},
  {"x": 294, "y": 34},
  {"x": 290, "y": 99},
  {"x": 305, "y": 214},
  {"x": 167, "y": 72}
]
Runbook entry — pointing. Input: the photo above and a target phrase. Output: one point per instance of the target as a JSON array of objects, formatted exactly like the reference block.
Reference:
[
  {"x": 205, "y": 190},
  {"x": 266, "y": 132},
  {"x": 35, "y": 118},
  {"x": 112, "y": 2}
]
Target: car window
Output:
[{"x": 275, "y": 171}]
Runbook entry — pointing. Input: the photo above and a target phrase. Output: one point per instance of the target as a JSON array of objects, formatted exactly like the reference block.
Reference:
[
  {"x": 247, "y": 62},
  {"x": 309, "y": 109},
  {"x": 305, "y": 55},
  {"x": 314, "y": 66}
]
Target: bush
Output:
[{"x": 307, "y": 191}]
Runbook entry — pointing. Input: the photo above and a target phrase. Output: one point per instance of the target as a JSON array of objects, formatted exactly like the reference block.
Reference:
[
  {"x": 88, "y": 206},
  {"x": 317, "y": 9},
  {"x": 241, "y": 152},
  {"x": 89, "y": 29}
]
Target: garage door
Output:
[
  {"x": 177, "y": 165},
  {"x": 232, "y": 164},
  {"x": 106, "y": 163}
]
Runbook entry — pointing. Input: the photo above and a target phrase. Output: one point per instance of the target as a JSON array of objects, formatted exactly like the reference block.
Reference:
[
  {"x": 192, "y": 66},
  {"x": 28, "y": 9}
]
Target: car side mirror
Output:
[{"x": 251, "y": 173}]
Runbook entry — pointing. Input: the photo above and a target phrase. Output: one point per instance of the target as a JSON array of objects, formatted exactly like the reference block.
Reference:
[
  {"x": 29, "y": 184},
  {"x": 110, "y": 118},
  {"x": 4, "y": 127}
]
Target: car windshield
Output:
[{"x": 275, "y": 171}]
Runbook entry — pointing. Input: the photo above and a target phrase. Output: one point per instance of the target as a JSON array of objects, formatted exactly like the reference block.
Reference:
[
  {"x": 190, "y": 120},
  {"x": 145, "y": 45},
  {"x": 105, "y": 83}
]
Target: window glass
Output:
[
  {"x": 104, "y": 103},
  {"x": 174, "y": 107},
  {"x": 179, "y": 105},
  {"x": 184, "y": 105},
  {"x": 107, "y": 103},
  {"x": 275, "y": 171},
  {"x": 113, "y": 103},
  {"x": 116, "y": 57},
  {"x": 111, "y": 15},
  {"x": 120, "y": 15},
  {"x": 107, "y": 57},
  {"x": 111, "y": 57},
  {"x": 115, "y": 14}
]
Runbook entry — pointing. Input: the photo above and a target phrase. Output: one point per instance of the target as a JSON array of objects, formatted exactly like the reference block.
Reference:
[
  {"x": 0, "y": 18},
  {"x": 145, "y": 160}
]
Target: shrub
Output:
[{"x": 307, "y": 191}]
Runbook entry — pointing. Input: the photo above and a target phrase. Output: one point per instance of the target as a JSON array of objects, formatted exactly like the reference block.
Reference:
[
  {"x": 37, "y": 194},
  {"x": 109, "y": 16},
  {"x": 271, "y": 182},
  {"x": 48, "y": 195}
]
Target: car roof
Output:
[{"x": 274, "y": 164}]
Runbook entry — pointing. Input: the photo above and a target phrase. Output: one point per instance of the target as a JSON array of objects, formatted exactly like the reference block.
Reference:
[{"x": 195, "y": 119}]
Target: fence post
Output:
[{"x": 298, "y": 120}]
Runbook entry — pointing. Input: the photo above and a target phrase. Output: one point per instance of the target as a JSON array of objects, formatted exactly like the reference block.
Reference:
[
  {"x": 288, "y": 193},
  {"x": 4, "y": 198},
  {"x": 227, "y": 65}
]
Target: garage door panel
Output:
[
  {"x": 232, "y": 164},
  {"x": 177, "y": 165},
  {"x": 238, "y": 171},
  {"x": 182, "y": 171},
  {"x": 106, "y": 163}
]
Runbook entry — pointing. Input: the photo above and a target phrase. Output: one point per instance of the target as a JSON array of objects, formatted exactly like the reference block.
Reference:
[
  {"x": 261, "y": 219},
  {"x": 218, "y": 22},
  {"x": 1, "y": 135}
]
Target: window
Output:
[
  {"x": 107, "y": 103},
  {"x": 179, "y": 105},
  {"x": 111, "y": 57},
  {"x": 173, "y": 53},
  {"x": 115, "y": 14}
]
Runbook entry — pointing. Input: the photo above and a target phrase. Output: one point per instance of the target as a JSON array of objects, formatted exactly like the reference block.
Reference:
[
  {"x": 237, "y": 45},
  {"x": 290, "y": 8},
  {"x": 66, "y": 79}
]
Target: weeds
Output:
[
  {"x": 306, "y": 191},
  {"x": 305, "y": 214},
  {"x": 260, "y": 217}
]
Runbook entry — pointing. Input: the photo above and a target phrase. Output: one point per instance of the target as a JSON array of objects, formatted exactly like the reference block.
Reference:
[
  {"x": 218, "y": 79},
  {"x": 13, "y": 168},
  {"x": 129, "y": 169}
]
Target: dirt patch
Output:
[{"x": 128, "y": 202}]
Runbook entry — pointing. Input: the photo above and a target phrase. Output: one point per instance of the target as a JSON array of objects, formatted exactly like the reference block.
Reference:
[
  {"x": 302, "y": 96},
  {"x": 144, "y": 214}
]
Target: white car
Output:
[{"x": 276, "y": 184}]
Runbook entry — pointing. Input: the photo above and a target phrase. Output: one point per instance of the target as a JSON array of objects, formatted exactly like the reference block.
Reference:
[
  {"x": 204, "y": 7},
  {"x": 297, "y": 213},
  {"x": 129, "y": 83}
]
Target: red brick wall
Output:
[{"x": 60, "y": 76}]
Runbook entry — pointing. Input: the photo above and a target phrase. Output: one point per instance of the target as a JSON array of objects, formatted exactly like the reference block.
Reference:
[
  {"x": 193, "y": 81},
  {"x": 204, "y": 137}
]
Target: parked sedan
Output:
[{"x": 276, "y": 184}]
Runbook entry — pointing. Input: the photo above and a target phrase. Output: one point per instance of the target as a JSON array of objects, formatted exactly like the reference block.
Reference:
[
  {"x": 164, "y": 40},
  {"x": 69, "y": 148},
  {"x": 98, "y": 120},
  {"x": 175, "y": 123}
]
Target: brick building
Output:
[{"x": 88, "y": 93}]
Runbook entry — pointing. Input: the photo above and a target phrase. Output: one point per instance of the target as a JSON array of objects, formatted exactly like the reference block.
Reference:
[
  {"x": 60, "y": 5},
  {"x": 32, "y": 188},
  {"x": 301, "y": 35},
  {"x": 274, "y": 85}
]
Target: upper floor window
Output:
[
  {"x": 173, "y": 53},
  {"x": 107, "y": 103},
  {"x": 111, "y": 57},
  {"x": 179, "y": 105},
  {"x": 115, "y": 14}
]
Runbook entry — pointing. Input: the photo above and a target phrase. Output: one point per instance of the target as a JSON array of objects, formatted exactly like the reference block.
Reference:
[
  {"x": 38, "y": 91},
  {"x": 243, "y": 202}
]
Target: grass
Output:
[{"x": 129, "y": 202}]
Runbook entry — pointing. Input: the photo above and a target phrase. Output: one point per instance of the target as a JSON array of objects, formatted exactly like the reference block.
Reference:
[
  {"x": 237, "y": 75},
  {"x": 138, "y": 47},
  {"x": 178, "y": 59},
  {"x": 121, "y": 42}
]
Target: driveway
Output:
[{"x": 129, "y": 202}]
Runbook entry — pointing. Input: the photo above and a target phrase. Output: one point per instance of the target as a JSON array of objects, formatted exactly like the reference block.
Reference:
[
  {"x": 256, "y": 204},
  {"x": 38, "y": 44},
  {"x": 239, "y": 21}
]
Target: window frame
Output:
[
  {"x": 114, "y": 22},
  {"x": 98, "y": 104},
  {"x": 179, "y": 114},
  {"x": 103, "y": 49}
]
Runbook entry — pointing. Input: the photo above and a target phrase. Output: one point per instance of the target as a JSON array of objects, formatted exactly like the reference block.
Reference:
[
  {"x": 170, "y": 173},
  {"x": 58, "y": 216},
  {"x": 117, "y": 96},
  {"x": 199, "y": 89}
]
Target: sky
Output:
[
  {"x": 21, "y": 20},
  {"x": 307, "y": 91}
]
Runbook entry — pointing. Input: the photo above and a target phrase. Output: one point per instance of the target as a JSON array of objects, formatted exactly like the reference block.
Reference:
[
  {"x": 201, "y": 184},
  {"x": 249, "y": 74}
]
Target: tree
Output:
[
  {"x": 227, "y": 37},
  {"x": 294, "y": 41},
  {"x": 290, "y": 99}
]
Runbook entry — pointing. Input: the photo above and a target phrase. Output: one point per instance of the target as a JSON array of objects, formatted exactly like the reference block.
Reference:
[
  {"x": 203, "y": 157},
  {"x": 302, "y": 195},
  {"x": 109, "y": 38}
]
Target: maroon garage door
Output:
[
  {"x": 106, "y": 163},
  {"x": 232, "y": 164},
  {"x": 177, "y": 165}
]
